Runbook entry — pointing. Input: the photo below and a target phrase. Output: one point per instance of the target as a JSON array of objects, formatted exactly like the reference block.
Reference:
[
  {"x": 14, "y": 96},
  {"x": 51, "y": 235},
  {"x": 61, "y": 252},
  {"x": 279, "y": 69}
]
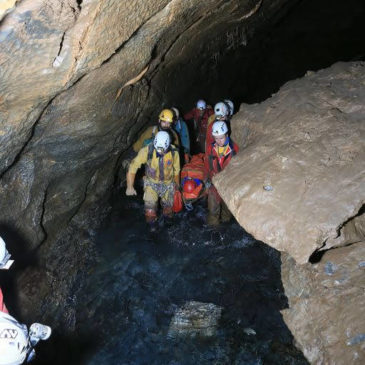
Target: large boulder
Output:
[{"x": 298, "y": 182}]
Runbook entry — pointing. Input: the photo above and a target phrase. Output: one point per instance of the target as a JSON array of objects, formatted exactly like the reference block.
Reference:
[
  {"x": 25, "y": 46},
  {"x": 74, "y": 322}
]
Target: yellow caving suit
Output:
[
  {"x": 149, "y": 134},
  {"x": 160, "y": 175},
  {"x": 211, "y": 119}
]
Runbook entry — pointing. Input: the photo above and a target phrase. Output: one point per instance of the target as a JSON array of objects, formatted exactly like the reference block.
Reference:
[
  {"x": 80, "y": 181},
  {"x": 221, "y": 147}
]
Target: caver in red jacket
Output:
[
  {"x": 214, "y": 162},
  {"x": 200, "y": 120},
  {"x": 209, "y": 138}
]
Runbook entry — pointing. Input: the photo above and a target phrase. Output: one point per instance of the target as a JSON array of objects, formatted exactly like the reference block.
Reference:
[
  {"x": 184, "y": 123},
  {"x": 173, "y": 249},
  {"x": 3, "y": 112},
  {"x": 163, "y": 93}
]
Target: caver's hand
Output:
[{"x": 130, "y": 191}]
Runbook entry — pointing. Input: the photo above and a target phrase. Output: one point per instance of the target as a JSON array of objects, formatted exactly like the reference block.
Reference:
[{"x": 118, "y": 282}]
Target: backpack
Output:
[{"x": 149, "y": 140}]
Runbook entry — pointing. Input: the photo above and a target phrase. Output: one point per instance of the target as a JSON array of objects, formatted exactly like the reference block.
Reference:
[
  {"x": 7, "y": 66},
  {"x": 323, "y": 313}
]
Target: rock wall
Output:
[
  {"x": 298, "y": 184},
  {"x": 80, "y": 79},
  {"x": 326, "y": 305}
]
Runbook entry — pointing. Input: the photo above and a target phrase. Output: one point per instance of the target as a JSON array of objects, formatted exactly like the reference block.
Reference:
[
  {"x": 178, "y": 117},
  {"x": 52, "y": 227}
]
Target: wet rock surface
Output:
[
  {"x": 299, "y": 177},
  {"x": 195, "y": 319},
  {"x": 130, "y": 298},
  {"x": 327, "y": 305}
]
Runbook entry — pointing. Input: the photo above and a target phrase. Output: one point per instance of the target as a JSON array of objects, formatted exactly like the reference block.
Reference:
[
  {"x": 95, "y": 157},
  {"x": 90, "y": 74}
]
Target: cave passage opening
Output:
[{"x": 249, "y": 68}]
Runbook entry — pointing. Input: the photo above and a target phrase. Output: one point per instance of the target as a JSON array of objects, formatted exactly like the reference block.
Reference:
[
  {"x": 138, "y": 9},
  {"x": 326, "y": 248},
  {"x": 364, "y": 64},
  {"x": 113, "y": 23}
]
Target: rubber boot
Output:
[
  {"x": 151, "y": 219},
  {"x": 168, "y": 215},
  {"x": 214, "y": 208},
  {"x": 226, "y": 214}
]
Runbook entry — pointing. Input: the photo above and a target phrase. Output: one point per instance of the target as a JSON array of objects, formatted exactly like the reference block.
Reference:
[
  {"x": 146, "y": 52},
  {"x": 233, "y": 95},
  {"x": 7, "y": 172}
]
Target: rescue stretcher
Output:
[{"x": 194, "y": 181}]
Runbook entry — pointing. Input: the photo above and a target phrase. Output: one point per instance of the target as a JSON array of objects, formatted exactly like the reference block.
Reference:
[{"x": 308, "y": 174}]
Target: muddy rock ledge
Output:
[{"x": 298, "y": 185}]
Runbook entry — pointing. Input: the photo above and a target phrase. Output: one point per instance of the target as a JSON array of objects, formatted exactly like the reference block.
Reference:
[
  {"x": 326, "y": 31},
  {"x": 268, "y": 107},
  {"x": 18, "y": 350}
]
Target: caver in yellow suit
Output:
[
  {"x": 165, "y": 122},
  {"x": 162, "y": 175}
]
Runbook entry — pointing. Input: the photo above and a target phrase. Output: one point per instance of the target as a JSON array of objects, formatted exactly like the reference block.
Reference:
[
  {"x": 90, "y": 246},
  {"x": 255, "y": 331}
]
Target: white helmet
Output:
[
  {"x": 201, "y": 104},
  {"x": 2, "y": 250},
  {"x": 219, "y": 129},
  {"x": 176, "y": 112},
  {"x": 38, "y": 331},
  {"x": 162, "y": 140},
  {"x": 221, "y": 109},
  {"x": 230, "y": 106},
  {"x": 14, "y": 343},
  {"x": 5, "y": 261}
]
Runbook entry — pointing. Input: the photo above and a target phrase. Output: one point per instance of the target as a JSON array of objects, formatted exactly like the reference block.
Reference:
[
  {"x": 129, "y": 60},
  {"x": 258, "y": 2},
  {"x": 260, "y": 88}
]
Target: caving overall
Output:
[
  {"x": 160, "y": 174},
  {"x": 216, "y": 159}
]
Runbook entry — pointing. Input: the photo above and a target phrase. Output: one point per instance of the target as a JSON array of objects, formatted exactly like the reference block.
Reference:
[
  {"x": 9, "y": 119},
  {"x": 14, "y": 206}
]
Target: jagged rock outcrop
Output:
[
  {"x": 298, "y": 184},
  {"x": 299, "y": 179},
  {"x": 326, "y": 312}
]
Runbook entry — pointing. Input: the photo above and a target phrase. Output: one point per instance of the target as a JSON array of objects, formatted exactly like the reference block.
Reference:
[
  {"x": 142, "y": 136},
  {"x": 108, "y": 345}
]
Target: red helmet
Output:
[{"x": 189, "y": 186}]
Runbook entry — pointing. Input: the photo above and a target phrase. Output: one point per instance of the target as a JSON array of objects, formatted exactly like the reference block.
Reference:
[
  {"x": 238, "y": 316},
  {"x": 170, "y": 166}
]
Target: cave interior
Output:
[{"x": 246, "y": 61}]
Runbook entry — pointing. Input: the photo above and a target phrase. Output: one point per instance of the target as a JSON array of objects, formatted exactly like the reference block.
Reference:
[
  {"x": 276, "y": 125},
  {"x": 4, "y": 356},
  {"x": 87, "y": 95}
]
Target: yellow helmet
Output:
[{"x": 166, "y": 115}]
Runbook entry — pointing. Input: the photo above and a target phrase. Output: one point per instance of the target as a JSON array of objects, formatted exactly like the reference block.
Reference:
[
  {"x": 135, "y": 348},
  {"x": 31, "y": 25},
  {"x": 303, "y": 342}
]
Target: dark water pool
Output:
[{"x": 130, "y": 297}]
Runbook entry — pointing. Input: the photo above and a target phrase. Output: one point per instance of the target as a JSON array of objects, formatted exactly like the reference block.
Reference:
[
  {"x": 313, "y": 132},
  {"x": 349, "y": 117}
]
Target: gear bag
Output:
[{"x": 178, "y": 203}]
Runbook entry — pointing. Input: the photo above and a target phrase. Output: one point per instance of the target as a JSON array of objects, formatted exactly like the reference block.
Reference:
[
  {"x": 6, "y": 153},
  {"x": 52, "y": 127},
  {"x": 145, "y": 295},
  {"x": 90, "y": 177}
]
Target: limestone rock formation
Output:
[
  {"x": 6, "y": 6},
  {"x": 298, "y": 182},
  {"x": 327, "y": 305}
]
